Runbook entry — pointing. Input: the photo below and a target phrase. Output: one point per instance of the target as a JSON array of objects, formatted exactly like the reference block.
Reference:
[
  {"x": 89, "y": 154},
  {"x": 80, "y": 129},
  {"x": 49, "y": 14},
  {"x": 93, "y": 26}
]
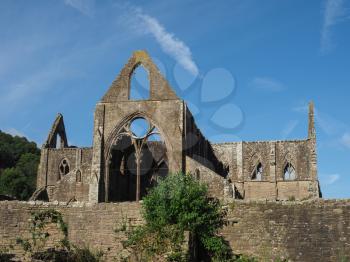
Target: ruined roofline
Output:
[
  {"x": 139, "y": 100},
  {"x": 160, "y": 89},
  {"x": 311, "y": 132},
  {"x": 72, "y": 148},
  {"x": 262, "y": 141},
  {"x": 57, "y": 130}
]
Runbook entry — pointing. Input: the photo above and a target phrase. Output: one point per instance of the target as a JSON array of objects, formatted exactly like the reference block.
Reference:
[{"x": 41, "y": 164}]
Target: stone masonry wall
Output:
[
  {"x": 300, "y": 231},
  {"x": 88, "y": 225},
  {"x": 242, "y": 158}
]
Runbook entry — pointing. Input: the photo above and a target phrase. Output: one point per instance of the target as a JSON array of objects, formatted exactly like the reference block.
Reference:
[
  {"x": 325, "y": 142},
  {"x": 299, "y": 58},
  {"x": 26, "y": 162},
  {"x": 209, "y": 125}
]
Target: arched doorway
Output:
[{"x": 137, "y": 159}]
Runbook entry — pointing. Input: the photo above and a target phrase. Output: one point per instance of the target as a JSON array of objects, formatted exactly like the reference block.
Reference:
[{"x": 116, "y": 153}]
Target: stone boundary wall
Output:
[
  {"x": 316, "y": 230},
  {"x": 90, "y": 225}
]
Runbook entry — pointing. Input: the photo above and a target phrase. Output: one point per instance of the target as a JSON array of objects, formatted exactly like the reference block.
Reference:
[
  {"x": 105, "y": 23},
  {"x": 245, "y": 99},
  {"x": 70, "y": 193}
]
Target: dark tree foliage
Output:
[
  {"x": 19, "y": 160},
  {"x": 180, "y": 204}
]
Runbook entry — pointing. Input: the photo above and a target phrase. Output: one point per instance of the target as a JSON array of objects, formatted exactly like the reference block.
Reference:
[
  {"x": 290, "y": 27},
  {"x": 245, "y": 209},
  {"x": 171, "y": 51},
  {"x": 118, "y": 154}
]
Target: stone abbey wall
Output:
[
  {"x": 241, "y": 158},
  {"x": 105, "y": 172},
  {"x": 72, "y": 186},
  {"x": 317, "y": 230}
]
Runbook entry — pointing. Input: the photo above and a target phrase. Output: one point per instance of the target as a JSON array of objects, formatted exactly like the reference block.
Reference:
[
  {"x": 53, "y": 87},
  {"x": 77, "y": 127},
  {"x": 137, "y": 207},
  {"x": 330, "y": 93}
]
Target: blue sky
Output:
[{"x": 246, "y": 68}]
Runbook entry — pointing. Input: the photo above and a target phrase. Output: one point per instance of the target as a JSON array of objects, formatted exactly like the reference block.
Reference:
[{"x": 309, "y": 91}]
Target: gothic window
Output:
[
  {"x": 138, "y": 158},
  {"x": 289, "y": 172},
  {"x": 139, "y": 84},
  {"x": 197, "y": 174},
  {"x": 64, "y": 167},
  {"x": 58, "y": 141},
  {"x": 78, "y": 176},
  {"x": 139, "y": 127},
  {"x": 257, "y": 172}
]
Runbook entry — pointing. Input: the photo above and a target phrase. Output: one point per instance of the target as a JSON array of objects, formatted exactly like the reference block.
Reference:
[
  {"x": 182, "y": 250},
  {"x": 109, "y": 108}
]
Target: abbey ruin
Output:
[
  {"x": 270, "y": 188},
  {"x": 121, "y": 165}
]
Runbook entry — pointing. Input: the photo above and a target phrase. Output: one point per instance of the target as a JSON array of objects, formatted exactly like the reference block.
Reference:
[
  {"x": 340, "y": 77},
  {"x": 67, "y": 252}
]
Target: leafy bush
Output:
[{"x": 179, "y": 204}]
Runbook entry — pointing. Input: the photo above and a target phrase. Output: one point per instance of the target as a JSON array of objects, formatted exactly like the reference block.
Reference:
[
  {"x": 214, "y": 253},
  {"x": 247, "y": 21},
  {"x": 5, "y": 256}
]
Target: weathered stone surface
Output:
[
  {"x": 106, "y": 171},
  {"x": 317, "y": 230}
]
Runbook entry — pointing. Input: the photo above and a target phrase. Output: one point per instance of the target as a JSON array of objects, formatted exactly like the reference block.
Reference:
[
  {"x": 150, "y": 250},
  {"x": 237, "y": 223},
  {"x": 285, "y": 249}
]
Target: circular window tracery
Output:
[
  {"x": 139, "y": 127},
  {"x": 134, "y": 160}
]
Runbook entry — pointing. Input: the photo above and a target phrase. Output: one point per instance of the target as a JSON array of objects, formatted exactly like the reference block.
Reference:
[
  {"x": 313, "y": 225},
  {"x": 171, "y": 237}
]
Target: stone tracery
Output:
[{"x": 121, "y": 164}]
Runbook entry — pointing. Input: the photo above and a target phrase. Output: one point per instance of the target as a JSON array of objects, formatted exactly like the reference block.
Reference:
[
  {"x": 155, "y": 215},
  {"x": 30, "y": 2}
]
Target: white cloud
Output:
[
  {"x": 14, "y": 132},
  {"x": 288, "y": 129},
  {"x": 301, "y": 109},
  {"x": 28, "y": 88},
  {"x": 85, "y": 7},
  {"x": 267, "y": 84},
  {"x": 331, "y": 179},
  {"x": 169, "y": 43},
  {"x": 334, "y": 13},
  {"x": 345, "y": 140},
  {"x": 327, "y": 123}
]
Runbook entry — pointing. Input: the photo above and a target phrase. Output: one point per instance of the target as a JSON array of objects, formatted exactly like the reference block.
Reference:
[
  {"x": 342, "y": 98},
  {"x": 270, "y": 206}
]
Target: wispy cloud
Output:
[
  {"x": 331, "y": 179},
  {"x": 334, "y": 13},
  {"x": 169, "y": 43},
  {"x": 301, "y": 108},
  {"x": 27, "y": 89},
  {"x": 345, "y": 140},
  {"x": 14, "y": 132},
  {"x": 24, "y": 90},
  {"x": 85, "y": 7},
  {"x": 327, "y": 123},
  {"x": 267, "y": 84},
  {"x": 336, "y": 131},
  {"x": 288, "y": 129}
]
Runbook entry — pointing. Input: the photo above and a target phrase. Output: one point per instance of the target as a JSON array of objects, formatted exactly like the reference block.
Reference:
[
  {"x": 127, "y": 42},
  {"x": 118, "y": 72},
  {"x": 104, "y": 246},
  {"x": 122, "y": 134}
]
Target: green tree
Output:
[
  {"x": 19, "y": 160},
  {"x": 180, "y": 204},
  {"x": 15, "y": 183},
  {"x": 12, "y": 147}
]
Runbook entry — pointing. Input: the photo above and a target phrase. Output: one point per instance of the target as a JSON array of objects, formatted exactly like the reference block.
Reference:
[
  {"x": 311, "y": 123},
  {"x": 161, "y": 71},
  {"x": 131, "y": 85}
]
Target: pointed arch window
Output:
[
  {"x": 139, "y": 84},
  {"x": 78, "y": 176},
  {"x": 289, "y": 172},
  {"x": 64, "y": 167},
  {"x": 197, "y": 174},
  {"x": 59, "y": 141},
  {"x": 138, "y": 159},
  {"x": 257, "y": 172}
]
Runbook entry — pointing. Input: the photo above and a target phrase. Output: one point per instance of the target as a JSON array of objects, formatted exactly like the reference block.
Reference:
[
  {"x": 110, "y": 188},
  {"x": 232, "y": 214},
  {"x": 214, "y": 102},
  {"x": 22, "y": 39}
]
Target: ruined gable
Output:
[{"x": 121, "y": 166}]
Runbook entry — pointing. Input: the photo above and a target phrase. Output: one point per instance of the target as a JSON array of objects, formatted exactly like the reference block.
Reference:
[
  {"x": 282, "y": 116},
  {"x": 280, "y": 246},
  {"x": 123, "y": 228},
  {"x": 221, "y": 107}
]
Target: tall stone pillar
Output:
[
  {"x": 97, "y": 156},
  {"x": 312, "y": 142}
]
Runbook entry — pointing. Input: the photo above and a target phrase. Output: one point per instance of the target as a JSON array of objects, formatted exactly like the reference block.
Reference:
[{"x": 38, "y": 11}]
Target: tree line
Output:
[{"x": 19, "y": 160}]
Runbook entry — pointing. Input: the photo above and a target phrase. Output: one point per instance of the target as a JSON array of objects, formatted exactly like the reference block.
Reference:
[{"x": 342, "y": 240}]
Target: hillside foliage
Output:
[{"x": 19, "y": 160}]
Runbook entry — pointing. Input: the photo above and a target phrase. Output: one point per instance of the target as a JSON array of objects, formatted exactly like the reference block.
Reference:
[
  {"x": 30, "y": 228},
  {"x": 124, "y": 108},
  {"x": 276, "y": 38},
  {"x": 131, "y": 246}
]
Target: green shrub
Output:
[{"x": 179, "y": 204}]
